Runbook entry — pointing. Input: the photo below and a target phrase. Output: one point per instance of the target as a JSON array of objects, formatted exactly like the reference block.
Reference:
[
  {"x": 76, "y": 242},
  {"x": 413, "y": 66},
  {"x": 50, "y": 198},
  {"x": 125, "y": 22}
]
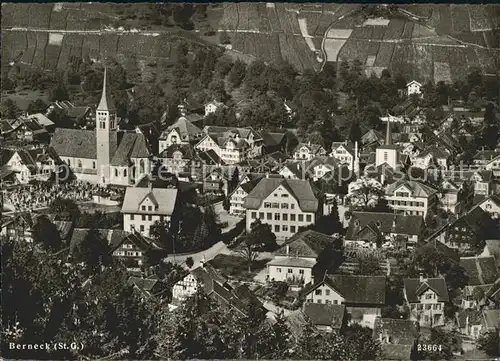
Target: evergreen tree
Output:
[
  {"x": 355, "y": 133},
  {"x": 45, "y": 233},
  {"x": 93, "y": 251},
  {"x": 237, "y": 73}
]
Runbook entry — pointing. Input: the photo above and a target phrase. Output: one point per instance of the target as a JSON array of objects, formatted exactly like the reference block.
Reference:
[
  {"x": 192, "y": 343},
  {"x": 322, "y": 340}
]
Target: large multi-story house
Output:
[
  {"x": 307, "y": 151},
  {"x": 142, "y": 207},
  {"x": 455, "y": 198},
  {"x": 364, "y": 296},
  {"x": 491, "y": 205},
  {"x": 378, "y": 229},
  {"x": 284, "y": 204},
  {"x": 181, "y": 132},
  {"x": 411, "y": 197},
  {"x": 252, "y": 138},
  {"x": 237, "y": 197},
  {"x": 483, "y": 182},
  {"x": 426, "y": 298},
  {"x": 104, "y": 155},
  {"x": 230, "y": 150},
  {"x": 432, "y": 156},
  {"x": 294, "y": 261}
]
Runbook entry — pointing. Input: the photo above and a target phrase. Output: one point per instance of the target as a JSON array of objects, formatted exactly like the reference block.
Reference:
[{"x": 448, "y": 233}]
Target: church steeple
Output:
[
  {"x": 388, "y": 134},
  {"x": 106, "y": 102}
]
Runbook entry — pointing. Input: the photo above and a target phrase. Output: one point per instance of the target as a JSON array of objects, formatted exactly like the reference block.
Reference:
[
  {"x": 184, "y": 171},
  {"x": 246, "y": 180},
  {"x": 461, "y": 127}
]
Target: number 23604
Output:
[{"x": 429, "y": 347}]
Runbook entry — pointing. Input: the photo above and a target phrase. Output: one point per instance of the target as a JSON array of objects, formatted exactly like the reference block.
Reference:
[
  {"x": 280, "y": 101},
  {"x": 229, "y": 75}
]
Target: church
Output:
[{"x": 105, "y": 155}]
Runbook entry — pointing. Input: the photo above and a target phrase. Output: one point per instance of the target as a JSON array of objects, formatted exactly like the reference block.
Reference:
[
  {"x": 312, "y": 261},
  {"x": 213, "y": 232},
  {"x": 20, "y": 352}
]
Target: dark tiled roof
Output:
[
  {"x": 75, "y": 143},
  {"x": 413, "y": 288},
  {"x": 386, "y": 222},
  {"x": 305, "y": 244},
  {"x": 436, "y": 152},
  {"x": 113, "y": 236},
  {"x": 359, "y": 289},
  {"x": 145, "y": 284},
  {"x": 481, "y": 270},
  {"x": 300, "y": 189},
  {"x": 132, "y": 145},
  {"x": 322, "y": 314},
  {"x": 186, "y": 150},
  {"x": 403, "y": 332},
  {"x": 441, "y": 248}
]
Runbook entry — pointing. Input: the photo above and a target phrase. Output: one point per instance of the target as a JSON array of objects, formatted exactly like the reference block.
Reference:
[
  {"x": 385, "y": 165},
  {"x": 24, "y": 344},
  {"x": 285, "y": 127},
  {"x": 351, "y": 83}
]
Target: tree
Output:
[
  {"x": 330, "y": 223},
  {"x": 93, "y": 251},
  {"x": 355, "y": 133},
  {"x": 360, "y": 343},
  {"x": 489, "y": 343},
  {"x": 46, "y": 234},
  {"x": 258, "y": 239},
  {"x": 9, "y": 109},
  {"x": 368, "y": 264},
  {"x": 237, "y": 73},
  {"x": 218, "y": 90},
  {"x": 447, "y": 344},
  {"x": 365, "y": 193},
  {"x": 160, "y": 232},
  {"x": 36, "y": 106},
  {"x": 58, "y": 92},
  {"x": 65, "y": 209},
  {"x": 189, "y": 262},
  {"x": 477, "y": 294},
  {"x": 224, "y": 38},
  {"x": 235, "y": 179}
]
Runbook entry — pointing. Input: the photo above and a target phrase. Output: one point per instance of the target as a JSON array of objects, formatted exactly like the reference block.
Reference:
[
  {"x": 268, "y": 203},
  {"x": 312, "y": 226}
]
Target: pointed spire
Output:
[
  {"x": 388, "y": 134},
  {"x": 106, "y": 102}
]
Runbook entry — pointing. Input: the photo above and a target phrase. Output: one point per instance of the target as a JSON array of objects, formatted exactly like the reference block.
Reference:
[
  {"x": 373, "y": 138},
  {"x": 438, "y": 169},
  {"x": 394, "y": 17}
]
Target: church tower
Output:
[
  {"x": 387, "y": 153},
  {"x": 105, "y": 134}
]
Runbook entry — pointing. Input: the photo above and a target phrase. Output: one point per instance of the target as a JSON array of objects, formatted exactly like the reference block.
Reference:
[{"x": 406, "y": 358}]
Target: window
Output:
[
  {"x": 318, "y": 292},
  {"x": 124, "y": 172},
  {"x": 308, "y": 218},
  {"x": 292, "y": 229},
  {"x": 143, "y": 217},
  {"x": 142, "y": 228},
  {"x": 143, "y": 208},
  {"x": 319, "y": 301},
  {"x": 328, "y": 301},
  {"x": 116, "y": 172},
  {"x": 132, "y": 228},
  {"x": 261, "y": 215},
  {"x": 269, "y": 216},
  {"x": 385, "y": 156},
  {"x": 290, "y": 270},
  {"x": 301, "y": 271},
  {"x": 335, "y": 302},
  {"x": 277, "y": 216},
  {"x": 254, "y": 215},
  {"x": 292, "y": 206},
  {"x": 284, "y": 195},
  {"x": 276, "y": 205},
  {"x": 278, "y": 269},
  {"x": 284, "y": 205},
  {"x": 327, "y": 292},
  {"x": 267, "y": 205},
  {"x": 292, "y": 217},
  {"x": 276, "y": 228},
  {"x": 131, "y": 217},
  {"x": 428, "y": 296},
  {"x": 141, "y": 166},
  {"x": 301, "y": 218},
  {"x": 285, "y": 217},
  {"x": 428, "y": 306},
  {"x": 150, "y": 217},
  {"x": 69, "y": 162},
  {"x": 284, "y": 228}
]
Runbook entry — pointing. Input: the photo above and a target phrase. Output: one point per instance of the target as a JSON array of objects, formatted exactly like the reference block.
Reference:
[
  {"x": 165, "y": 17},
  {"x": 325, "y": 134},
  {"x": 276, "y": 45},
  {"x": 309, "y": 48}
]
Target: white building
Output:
[
  {"x": 285, "y": 204},
  {"x": 414, "y": 87},
  {"x": 104, "y": 155},
  {"x": 28, "y": 164},
  {"x": 426, "y": 299},
  {"x": 491, "y": 205},
  {"x": 212, "y": 107},
  {"x": 411, "y": 197},
  {"x": 142, "y": 207},
  {"x": 344, "y": 152},
  {"x": 307, "y": 151},
  {"x": 181, "y": 132}
]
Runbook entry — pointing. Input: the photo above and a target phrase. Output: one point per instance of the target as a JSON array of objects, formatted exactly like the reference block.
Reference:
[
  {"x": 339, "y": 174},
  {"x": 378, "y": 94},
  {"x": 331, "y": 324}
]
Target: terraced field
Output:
[{"x": 424, "y": 41}]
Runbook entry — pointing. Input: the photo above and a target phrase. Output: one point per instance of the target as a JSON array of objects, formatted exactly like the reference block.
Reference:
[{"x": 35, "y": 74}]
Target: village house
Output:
[
  {"x": 176, "y": 157},
  {"x": 29, "y": 130},
  {"x": 252, "y": 138},
  {"x": 284, "y": 204},
  {"x": 181, "y": 132},
  {"x": 148, "y": 288},
  {"x": 455, "y": 198},
  {"x": 216, "y": 181},
  {"x": 32, "y": 164},
  {"x": 326, "y": 317},
  {"x": 293, "y": 170},
  {"x": 411, "y": 197},
  {"x": 491, "y": 205},
  {"x": 378, "y": 229},
  {"x": 293, "y": 262},
  {"x": 491, "y": 320},
  {"x": 414, "y": 87},
  {"x": 244, "y": 187},
  {"x": 398, "y": 338},
  {"x": 432, "y": 156},
  {"x": 212, "y": 107},
  {"x": 104, "y": 155},
  {"x": 426, "y": 298},
  {"x": 142, "y": 207},
  {"x": 344, "y": 152},
  {"x": 483, "y": 181},
  {"x": 363, "y": 296},
  {"x": 307, "y": 151},
  {"x": 317, "y": 167}
]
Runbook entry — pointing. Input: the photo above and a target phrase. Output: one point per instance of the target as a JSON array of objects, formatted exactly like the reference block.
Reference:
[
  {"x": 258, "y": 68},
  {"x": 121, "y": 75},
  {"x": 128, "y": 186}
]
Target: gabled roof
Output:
[
  {"x": 414, "y": 82},
  {"x": 301, "y": 190},
  {"x": 372, "y": 136},
  {"x": 144, "y": 284},
  {"x": 414, "y": 288},
  {"x": 440, "y": 247},
  {"x": 115, "y": 237},
  {"x": 491, "y": 319},
  {"x": 403, "y": 332},
  {"x": 386, "y": 223},
  {"x": 436, "y": 152},
  {"x": 347, "y": 145},
  {"x": 166, "y": 199},
  {"x": 305, "y": 244},
  {"x": 313, "y": 148},
  {"x": 77, "y": 143},
  {"x": 475, "y": 220},
  {"x": 186, "y": 150},
  {"x": 321, "y": 314},
  {"x": 41, "y": 119},
  {"x": 272, "y": 138},
  {"x": 294, "y": 167},
  {"x": 417, "y": 189},
  {"x": 184, "y": 127},
  {"x": 481, "y": 270}
]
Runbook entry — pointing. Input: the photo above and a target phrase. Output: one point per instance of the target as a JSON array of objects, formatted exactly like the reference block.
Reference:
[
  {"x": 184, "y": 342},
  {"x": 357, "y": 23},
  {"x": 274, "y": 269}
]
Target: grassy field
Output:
[{"x": 23, "y": 98}]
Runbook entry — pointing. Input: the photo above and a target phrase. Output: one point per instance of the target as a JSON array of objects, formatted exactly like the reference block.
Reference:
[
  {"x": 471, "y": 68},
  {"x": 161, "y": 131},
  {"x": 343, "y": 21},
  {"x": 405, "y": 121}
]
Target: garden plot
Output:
[
  {"x": 376, "y": 22},
  {"x": 305, "y": 34},
  {"x": 230, "y": 16},
  {"x": 460, "y": 18},
  {"x": 423, "y": 60},
  {"x": 56, "y": 38},
  {"x": 442, "y": 72},
  {"x": 420, "y": 31},
  {"x": 384, "y": 55},
  {"x": 332, "y": 48},
  {"x": 394, "y": 29},
  {"x": 339, "y": 34}
]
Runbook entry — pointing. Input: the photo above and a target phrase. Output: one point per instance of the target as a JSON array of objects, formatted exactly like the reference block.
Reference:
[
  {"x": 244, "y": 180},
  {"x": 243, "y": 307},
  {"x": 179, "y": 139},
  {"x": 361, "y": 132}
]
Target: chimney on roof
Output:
[
  {"x": 267, "y": 174},
  {"x": 422, "y": 278}
]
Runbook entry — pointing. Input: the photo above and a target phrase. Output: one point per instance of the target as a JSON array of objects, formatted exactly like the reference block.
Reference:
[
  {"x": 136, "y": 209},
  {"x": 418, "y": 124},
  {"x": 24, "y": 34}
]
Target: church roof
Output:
[
  {"x": 132, "y": 145},
  {"x": 75, "y": 143},
  {"x": 106, "y": 102}
]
